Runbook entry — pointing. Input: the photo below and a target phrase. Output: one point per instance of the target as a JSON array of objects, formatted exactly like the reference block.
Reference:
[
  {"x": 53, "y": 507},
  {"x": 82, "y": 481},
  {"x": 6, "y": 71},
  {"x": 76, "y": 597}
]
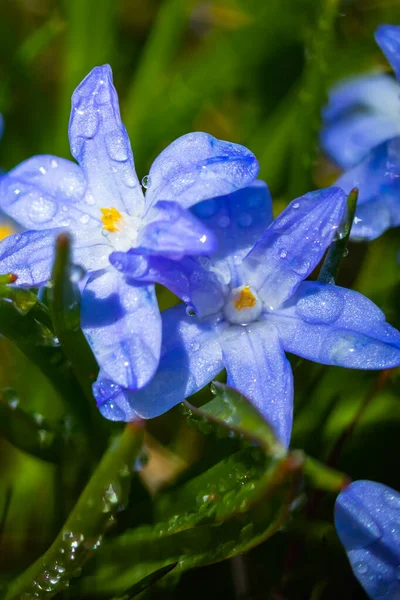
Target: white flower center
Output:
[
  {"x": 243, "y": 306},
  {"x": 119, "y": 228}
]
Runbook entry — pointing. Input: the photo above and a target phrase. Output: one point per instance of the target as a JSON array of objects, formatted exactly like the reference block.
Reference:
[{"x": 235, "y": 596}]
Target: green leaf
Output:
[
  {"x": 338, "y": 249},
  {"x": 240, "y": 501},
  {"x": 28, "y": 432},
  {"x": 145, "y": 583},
  {"x": 105, "y": 494},
  {"x": 65, "y": 310}
]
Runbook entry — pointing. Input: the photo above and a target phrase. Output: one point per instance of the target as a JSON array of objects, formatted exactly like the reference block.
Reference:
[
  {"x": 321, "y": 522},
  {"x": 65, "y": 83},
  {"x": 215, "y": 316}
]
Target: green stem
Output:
[{"x": 105, "y": 494}]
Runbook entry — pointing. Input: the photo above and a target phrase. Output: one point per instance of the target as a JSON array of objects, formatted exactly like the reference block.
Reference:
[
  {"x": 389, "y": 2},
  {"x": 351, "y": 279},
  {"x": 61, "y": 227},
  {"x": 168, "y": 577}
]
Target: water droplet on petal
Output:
[
  {"x": 146, "y": 181},
  {"x": 84, "y": 219},
  {"x": 283, "y": 253},
  {"x": 190, "y": 311},
  {"x": 224, "y": 221},
  {"x": 77, "y": 273},
  {"x": 42, "y": 210},
  {"x": 245, "y": 220}
]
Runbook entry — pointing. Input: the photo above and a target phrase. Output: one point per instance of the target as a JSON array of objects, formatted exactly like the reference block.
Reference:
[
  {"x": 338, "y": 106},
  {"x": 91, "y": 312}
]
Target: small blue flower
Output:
[
  {"x": 367, "y": 520},
  {"x": 377, "y": 178},
  {"x": 249, "y": 304},
  {"x": 364, "y": 111},
  {"x": 101, "y": 203}
]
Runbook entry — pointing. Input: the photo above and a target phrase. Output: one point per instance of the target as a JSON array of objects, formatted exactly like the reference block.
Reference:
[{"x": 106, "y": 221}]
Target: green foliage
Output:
[{"x": 74, "y": 487}]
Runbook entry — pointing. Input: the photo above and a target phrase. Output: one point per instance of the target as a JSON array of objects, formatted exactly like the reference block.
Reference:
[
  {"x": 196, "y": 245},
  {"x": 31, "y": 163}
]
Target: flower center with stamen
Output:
[
  {"x": 120, "y": 229},
  {"x": 110, "y": 218},
  {"x": 243, "y": 306}
]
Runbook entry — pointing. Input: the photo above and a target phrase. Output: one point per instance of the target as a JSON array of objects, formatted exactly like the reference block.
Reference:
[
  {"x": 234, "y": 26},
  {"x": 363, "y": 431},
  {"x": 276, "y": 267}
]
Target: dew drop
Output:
[
  {"x": 84, "y": 219},
  {"x": 296, "y": 205},
  {"x": 41, "y": 210},
  {"x": 224, "y": 221},
  {"x": 361, "y": 568},
  {"x": 213, "y": 389},
  {"x": 245, "y": 220},
  {"x": 392, "y": 499},
  {"x": 146, "y": 181},
  {"x": 283, "y": 253},
  {"x": 190, "y": 311},
  {"x": 77, "y": 273}
]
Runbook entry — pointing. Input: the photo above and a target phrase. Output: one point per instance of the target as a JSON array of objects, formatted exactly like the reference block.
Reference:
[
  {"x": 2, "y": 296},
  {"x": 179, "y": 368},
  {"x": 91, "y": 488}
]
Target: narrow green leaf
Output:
[
  {"x": 65, "y": 310},
  {"x": 234, "y": 414},
  {"x": 28, "y": 432},
  {"x": 145, "y": 583},
  {"x": 133, "y": 555},
  {"x": 105, "y": 494},
  {"x": 312, "y": 97},
  {"x": 324, "y": 478},
  {"x": 338, "y": 249}
]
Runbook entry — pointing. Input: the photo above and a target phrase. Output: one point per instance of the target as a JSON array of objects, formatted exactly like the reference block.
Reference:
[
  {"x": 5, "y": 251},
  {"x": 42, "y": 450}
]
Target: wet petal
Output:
[
  {"x": 122, "y": 324},
  {"x": 238, "y": 220},
  {"x": 257, "y": 366},
  {"x": 188, "y": 278},
  {"x": 100, "y": 144},
  {"x": 367, "y": 520},
  {"x": 351, "y": 138},
  {"x": 190, "y": 358},
  {"x": 377, "y": 178},
  {"x": 45, "y": 192},
  {"x": 334, "y": 326},
  {"x": 388, "y": 38},
  {"x": 293, "y": 245},
  {"x": 174, "y": 231},
  {"x": 30, "y": 255},
  {"x": 197, "y": 166}
]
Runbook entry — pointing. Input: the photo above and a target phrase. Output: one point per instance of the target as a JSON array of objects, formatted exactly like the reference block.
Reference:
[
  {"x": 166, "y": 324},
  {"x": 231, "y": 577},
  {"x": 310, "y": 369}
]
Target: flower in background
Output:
[
  {"x": 101, "y": 203},
  {"x": 377, "y": 176},
  {"x": 368, "y": 525},
  {"x": 364, "y": 111},
  {"x": 249, "y": 304}
]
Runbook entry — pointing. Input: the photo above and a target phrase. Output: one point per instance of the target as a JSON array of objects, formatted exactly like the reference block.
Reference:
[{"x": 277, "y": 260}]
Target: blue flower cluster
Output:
[
  {"x": 201, "y": 224},
  {"x": 362, "y": 134}
]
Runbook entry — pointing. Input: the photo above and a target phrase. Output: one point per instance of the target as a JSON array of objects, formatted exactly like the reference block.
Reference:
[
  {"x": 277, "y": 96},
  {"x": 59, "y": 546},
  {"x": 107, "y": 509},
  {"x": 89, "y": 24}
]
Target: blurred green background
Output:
[{"x": 250, "y": 71}]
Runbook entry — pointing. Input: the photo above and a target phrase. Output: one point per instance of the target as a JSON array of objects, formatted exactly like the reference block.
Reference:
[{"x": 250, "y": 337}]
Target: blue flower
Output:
[
  {"x": 367, "y": 520},
  {"x": 377, "y": 178},
  {"x": 249, "y": 304},
  {"x": 364, "y": 111},
  {"x": 101, "y": 203}
]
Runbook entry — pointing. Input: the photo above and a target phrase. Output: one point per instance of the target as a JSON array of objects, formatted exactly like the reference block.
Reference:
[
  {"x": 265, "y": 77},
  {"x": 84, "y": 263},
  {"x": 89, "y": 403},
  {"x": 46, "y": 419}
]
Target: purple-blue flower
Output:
[
  {"x": 364, "y": 111},
  {"x": 101, "y": 203},
  {"x": 367, "y": 520},
  {"x": 248, "y": 304}
]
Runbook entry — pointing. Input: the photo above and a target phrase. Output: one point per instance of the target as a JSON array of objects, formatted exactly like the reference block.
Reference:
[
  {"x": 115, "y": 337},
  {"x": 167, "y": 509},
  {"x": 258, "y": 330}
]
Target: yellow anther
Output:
[
  {"x": 109, "y": 217},
  {"x": 244, "y": 299},
  {"x": 5, "y": 231}
]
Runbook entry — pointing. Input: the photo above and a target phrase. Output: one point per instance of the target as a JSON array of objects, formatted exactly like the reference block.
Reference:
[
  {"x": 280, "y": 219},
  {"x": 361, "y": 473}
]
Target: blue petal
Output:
[
  {"x": 257, "y": 366},
  {"x": 377, "y": 93},
  {"x": 100, "y": 144},
  {"x": 188, "y": 278},
  {"x": 237, "y": 220},
  {"x": 334, "y": 326},
  {"x": 174, "y": 232},
  {"x": 190, "y": 358},
  {"x": 351, "y": 138},
  {"x": 122, "y": 324},
  {"x": 378, "y": 179},
  {"x": 293, "y": 245},
  {"x": 113, "y": 400},
  {"x": 388, "y": 38},
  {"x": 30, "y": 255},
  {"x": 197, "y": 166},
  {"x": 368, "y": 525},
  {"x": 45, "y": 192}
]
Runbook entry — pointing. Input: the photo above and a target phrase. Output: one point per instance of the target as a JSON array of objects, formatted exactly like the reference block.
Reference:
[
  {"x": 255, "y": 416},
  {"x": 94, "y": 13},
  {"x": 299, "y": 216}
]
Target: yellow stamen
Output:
[
  {"x": 109, "y": 217},
  {"x": 244, "y": 299},
  {"x": 5, "y": 231}
]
